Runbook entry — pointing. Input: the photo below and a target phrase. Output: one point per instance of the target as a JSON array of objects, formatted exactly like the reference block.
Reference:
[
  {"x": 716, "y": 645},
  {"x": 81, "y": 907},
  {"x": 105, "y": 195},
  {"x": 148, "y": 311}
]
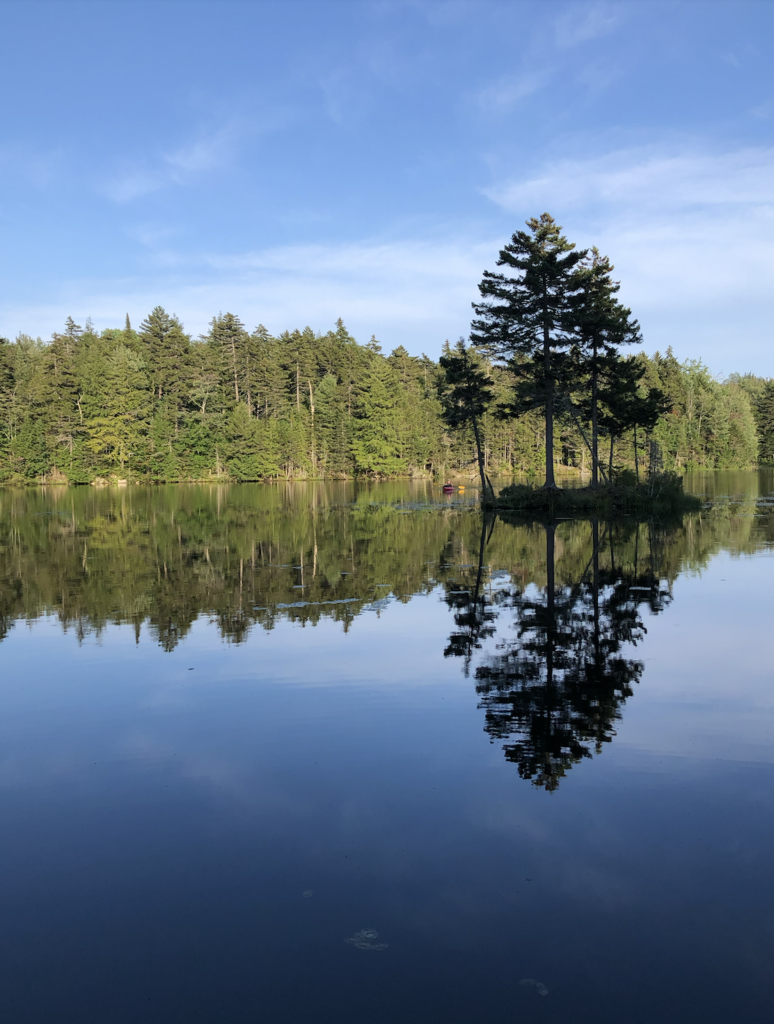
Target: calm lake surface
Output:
[{"x": 340, "y": 753}]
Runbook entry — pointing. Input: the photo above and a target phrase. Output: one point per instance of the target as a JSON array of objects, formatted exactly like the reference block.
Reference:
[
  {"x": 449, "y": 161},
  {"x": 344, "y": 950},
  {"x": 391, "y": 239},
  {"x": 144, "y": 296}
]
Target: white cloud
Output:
[
  {"x": 410, "y": 292},
  {"x": 647, "y": 177},
  {"x": 581, "y": 23},
  {"x": 132, "y": 184},
  {"x": 207, "y": 152},
  {"x": 691, "y": 234},
  {"x": 204, "y": 153},
  {"x": 506, "y": 92},
  {"x": 38, "y": 167}
]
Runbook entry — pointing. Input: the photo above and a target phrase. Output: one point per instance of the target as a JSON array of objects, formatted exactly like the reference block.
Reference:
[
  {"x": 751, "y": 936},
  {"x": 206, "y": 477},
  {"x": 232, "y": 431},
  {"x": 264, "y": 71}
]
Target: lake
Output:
[{"x": 348, "y": 753}]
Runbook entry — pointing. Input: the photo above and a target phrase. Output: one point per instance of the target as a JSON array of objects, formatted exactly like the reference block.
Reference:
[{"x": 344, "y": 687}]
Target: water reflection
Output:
[
  {"x": 553, "y": 692},
  {"x": 248, "y": 556}
]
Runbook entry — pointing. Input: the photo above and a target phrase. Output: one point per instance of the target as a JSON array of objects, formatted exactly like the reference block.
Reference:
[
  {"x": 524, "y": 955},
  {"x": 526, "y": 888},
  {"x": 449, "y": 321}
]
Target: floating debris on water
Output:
[
  {"x": 309, "y": 604},
  {"x": 365, "y": 939},
  {"x": 307, "y": 893},
  {"x": 538, "y": 985}
]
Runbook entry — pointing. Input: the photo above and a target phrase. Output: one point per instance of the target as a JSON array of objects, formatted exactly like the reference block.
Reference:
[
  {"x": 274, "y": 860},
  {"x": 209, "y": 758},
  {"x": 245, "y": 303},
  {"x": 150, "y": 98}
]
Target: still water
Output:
[{"x": 341, "y": 753}]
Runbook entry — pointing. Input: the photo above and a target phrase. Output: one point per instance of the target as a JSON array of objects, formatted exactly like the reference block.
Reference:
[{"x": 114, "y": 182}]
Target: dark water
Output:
[{"x": 529, "y": 774}]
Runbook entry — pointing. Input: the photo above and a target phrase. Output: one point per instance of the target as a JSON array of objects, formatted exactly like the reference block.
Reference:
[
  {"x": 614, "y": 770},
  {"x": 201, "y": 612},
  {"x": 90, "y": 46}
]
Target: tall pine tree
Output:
[{"x": 523, "y": 317}]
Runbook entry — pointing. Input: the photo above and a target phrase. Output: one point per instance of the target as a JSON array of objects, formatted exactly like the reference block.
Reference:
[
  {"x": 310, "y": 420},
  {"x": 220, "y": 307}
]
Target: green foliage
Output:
[
  {"x": 525, "y": 317},
  {"x": 375, "y": 440},
  {"x": 237, "y": 553},
  {"x": 765, "y": 418},
  {"x": 157, "y": 405},
  {"x": 662, "y": 494}
]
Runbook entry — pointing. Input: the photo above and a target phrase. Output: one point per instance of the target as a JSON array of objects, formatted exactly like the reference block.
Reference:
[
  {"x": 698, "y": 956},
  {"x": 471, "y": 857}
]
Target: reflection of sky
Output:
[
  {"x": 161, "y": 825},
  {"x": 708, "y": 686}
]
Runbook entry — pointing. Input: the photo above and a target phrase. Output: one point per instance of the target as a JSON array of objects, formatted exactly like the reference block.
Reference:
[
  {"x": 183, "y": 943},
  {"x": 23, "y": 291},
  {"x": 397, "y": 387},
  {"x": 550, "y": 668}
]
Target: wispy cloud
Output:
[
  {"x": 543, "y": 58},
  {"x": 582, "y": 23},
  {"x": 506, "y": 92},
  {"x": 206, "y": 152},
  {"x": 647, "y": 176},
  {"x": 38, "y": 167},
  {"x": 691, "y": 234},
  {"x": 132, "y": 183},
  {"x": 410, "y": 292}
]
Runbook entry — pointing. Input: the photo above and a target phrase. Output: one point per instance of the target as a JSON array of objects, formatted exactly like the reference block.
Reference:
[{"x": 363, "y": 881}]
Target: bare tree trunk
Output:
[
  {"x": 311, "y": 410},
  {"x": 594, "y": 426},
  {"x": 636, "y": 457},
  {"x": 480, "y": 456},
  {"x": 234, "y": 364},
  {"x": 550, "y": 483}
]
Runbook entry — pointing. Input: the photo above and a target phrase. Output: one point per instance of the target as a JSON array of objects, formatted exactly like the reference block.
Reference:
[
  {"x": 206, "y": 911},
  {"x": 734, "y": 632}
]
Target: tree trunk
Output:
[
  {"x": 610, "y": 464},
  {"x": 636, "y": 457},
  {"x": 594, "y": 426},
  {"x": 480, "y": 456},
  {"x": 234, "y": 363},
  {"x": 550, "y": 483},
  {"x": 311, "y": 410}
]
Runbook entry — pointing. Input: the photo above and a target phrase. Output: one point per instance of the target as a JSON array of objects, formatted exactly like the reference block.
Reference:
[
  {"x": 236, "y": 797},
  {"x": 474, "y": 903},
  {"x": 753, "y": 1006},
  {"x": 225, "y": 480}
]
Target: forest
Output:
[{"x": 154, "y": 404}]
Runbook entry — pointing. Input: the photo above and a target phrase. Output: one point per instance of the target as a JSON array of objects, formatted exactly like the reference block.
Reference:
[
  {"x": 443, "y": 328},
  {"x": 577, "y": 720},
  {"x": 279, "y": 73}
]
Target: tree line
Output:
[{"x": 540, "y": 387}]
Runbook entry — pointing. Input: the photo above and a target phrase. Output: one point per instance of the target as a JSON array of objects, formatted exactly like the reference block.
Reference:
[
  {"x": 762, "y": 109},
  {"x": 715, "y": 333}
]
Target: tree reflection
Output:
[
  {"x": 553, "y": 693},
  {"x": 248, "y": 557}
]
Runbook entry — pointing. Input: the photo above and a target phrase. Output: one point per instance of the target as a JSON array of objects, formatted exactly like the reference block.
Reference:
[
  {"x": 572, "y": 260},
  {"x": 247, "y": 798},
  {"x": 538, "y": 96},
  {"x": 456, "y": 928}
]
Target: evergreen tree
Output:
[
  {"x": 524, "y": 317},
  {"x": 466, "y": 395},
  {"x": 626, "y": 408},
  {"x": 116, "y": 432},
  {"x": 600, "y": 326},
  {"x": 766, "y": 423},
  {"x": 228, "y": 338},
  {"x": 375, "y": 444},
  {"x": 267, "y": 378},
  {"x": 167, "y": 349}
]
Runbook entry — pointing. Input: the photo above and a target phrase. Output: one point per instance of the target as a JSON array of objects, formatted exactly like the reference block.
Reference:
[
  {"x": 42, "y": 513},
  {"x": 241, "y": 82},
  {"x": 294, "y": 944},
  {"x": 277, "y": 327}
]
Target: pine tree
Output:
[
  {"x": 375, "y": 444},
  {"x": 600, "y": 326},
  {"x": 229, "y": 339},
  {"x": 267, "y": 380},
  {"x": 524, "y": 317},
  {"x": 466, "y": 394},
  {"x": 625, "y": 405},
  {"x": 116, "y": 433},
  {"x": 332, "y": 428},
  {"x": 6, "y": 402},
  {"x": 64, "y": 419},
  {"x": 766, "y": 424},
  {"x": 167, "y": 349}
]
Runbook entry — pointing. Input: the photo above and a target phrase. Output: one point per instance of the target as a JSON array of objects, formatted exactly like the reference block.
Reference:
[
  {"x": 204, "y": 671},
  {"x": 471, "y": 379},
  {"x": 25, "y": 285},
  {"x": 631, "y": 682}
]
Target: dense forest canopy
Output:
[{"x": 155, "y": 404}]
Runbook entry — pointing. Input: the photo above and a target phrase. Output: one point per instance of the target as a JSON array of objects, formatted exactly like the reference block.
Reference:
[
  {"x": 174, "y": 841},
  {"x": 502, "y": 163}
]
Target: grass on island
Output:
[{"x": 661, "y": 494}]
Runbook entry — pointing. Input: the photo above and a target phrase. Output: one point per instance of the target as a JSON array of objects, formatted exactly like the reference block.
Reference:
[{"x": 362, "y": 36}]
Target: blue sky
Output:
[{"x": 295, "y": 162}]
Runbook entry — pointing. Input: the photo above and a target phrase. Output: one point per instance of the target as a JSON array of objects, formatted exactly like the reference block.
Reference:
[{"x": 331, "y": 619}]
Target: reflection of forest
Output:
[{"x": 252, "y": 554}]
